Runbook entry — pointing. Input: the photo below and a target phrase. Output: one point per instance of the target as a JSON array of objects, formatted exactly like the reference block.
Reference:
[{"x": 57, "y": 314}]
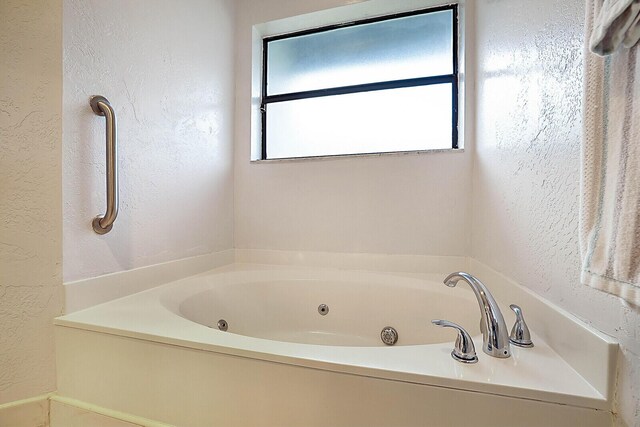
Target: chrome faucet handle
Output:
[
  {"x": 520, "y": 334},
  {"x": 464, "y": 350}
]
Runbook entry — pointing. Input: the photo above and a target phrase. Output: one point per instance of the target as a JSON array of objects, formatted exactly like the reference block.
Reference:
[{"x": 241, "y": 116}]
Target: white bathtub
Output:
[{"x": 281, "y": 362}]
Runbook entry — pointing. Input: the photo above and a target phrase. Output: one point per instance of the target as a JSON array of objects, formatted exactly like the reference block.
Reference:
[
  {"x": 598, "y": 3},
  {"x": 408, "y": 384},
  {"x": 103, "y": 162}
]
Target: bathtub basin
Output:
[
  {"x": 278, "y": 342},
  {"x": 357, "y": 310}
]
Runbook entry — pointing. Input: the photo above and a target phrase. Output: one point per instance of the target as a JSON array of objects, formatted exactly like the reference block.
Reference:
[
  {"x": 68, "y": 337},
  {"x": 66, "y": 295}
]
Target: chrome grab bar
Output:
[{"x": 102, "y": 224}]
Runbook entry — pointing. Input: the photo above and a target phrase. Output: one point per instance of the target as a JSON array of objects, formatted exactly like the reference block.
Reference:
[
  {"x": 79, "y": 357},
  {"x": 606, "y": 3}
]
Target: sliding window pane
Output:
[{"x": 407, "y": 119}]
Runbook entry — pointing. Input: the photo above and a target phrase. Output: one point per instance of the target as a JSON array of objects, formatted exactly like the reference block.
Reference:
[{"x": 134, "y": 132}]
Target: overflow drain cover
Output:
[{"x": 223, "y": 325}]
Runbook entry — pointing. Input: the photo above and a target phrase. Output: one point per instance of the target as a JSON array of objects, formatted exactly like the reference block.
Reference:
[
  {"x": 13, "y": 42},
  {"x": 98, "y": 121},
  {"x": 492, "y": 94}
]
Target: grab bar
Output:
[{"x": 102, "y": 224}]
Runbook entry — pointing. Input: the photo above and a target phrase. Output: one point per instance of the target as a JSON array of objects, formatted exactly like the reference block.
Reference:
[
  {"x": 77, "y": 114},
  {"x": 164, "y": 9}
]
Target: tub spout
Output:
[{"x": 495, "y": 336}]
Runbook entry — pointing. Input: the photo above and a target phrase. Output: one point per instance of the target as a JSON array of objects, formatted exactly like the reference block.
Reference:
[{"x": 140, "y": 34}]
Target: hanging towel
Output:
[
  {"x": 610, "y": 184},
  {"x": 617, "y": 22}
]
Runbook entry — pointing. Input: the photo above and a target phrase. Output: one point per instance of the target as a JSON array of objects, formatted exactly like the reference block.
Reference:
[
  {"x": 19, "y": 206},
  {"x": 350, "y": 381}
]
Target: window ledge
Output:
[{"x": 348, "y": 156}]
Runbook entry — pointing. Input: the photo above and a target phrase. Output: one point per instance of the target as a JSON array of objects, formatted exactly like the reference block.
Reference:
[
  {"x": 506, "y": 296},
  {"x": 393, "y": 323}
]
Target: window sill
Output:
[{"x": 349, "y": 156}]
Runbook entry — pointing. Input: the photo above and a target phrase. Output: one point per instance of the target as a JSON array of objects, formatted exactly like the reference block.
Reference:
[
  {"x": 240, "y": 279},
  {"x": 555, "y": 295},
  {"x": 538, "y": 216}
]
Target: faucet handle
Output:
[
  {"x": 464, "y": 350},
  {"x": 520, "y": 334}
]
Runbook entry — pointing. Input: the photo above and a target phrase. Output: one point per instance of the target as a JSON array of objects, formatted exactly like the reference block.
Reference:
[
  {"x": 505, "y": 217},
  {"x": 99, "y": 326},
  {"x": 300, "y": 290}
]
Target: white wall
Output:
[
  {"x": 400, "y": 204},
  {"x": 526, "y": 174},
  {"x": 166, "y": 66},
  {"x": 31, "y": 292}
]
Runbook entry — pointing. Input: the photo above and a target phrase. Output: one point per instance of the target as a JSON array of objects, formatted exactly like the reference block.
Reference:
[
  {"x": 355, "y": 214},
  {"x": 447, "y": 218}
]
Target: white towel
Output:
[
  {"x": 610, "y": 185},
  {"x": 617, "y": 22}
]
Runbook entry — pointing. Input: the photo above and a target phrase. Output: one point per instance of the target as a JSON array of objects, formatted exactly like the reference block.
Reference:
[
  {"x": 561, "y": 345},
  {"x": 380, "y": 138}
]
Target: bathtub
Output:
[{"x": 272, "y": 345}]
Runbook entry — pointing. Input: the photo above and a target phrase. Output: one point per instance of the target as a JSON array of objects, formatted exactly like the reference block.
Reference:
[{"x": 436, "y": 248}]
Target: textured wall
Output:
[
  {"x": 401, "y": 204},
  {"x": 30, "y": 194},
  {"x": 166, "y": 66},
  {"x": 526, "y": 173}
]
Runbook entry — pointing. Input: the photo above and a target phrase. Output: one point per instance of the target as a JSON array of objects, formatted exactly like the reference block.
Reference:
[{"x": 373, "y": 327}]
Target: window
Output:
[{"x": 378, "y": 85}]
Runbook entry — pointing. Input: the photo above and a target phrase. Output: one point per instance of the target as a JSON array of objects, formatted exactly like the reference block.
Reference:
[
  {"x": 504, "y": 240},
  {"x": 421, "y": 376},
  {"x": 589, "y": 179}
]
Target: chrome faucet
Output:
[{"x": 495, "y": 335}]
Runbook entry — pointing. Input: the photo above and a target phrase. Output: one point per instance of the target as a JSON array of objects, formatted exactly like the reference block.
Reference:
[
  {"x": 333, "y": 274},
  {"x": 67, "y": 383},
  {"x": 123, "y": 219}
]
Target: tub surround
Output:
[
  {"x": 556, "y": 371},
  {"x": 154, "y": 315},
  {"x": 557, "y": 327}
]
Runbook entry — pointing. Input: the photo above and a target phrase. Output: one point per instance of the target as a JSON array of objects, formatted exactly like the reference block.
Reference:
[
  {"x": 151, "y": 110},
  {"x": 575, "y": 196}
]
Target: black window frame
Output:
[{"x": 366, "y": 87}]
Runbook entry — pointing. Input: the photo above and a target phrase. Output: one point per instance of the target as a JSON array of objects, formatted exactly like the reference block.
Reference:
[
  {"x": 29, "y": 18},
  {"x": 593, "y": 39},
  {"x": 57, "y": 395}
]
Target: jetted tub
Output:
[
  {"x": 283, "y": 360},
  {"x": 348, "y": 310}
]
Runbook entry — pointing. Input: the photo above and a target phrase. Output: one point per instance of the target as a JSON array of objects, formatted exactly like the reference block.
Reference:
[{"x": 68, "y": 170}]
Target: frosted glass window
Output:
[
  {"x": 407, "y": 119},
  {"x": 375, "y": 86},
  {"x": 402, "y": 48}
]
